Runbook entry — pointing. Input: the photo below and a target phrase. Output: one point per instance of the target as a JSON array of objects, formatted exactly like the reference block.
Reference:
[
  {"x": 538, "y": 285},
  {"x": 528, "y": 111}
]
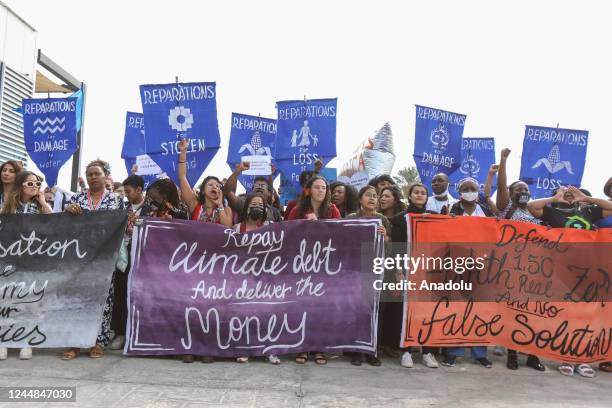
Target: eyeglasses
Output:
[
  {"x": 371, "y": 195},
  {"x": 32, "y": 184},
  {"x": 260, "y": 186}
]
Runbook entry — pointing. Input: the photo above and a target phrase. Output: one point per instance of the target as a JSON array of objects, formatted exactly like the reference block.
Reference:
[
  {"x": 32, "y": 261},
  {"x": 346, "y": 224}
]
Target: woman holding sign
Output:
[
  {"x": 368, "y": 204},
  {"x": 512, "y": 200},
  {"x": 96, "y": 198},
  {"x": 208, "y": 205},
  {"x": 8, "y": 172},
  {"x": 314, "y": 204},
  {"x": 25, "y": 197},
  {"x": 253, "y": 216}
]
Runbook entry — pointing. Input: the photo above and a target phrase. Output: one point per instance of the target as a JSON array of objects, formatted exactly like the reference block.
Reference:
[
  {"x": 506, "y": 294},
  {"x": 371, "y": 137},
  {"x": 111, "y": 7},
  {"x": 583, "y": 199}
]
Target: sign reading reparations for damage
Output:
[
  {"x": 539, "y": 291},
  {"x": 283, "y": 288},
  {"x": 55, "y": 274}
]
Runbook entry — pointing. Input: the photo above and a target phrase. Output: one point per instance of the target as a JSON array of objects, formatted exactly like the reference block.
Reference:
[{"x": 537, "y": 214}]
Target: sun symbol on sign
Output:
[{"x": 180, "y": 118}]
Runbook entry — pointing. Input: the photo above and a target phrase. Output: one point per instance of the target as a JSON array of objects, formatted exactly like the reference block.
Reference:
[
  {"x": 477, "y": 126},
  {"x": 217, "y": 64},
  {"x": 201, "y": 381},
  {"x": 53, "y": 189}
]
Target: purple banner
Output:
[{"x": 288, "y": 287}]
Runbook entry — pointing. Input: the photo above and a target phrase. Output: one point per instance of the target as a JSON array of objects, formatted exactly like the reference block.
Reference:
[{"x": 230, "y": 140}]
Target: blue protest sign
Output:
[
  {"x": 437, "y": 142},
  {"x": 49, "y": 131},
  {"x": 477, "y": 156},
  {"x": 306, "y": 132},
  {"x": 134, "y": 143},
  {"x": 176, "y": 111},
  {"x": 288, "y": 191},
  {"x": 552, "y": 157},
  {"x": 250, "y": 136}
]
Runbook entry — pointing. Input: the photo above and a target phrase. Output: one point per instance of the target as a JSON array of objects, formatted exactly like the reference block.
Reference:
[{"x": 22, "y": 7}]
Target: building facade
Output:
[{"x": 18, "y": 53}]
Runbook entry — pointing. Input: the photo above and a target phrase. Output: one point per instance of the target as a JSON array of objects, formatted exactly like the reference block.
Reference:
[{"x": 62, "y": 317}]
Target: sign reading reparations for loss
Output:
[
  {"x": 55, "y": 274},
  {"x": 283, "y": 288},
  {"x": 537, "y": 290}
]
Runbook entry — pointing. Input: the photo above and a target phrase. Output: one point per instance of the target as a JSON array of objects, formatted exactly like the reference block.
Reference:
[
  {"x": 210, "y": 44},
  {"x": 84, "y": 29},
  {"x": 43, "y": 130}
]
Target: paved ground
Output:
[{"x": 117, "y": 381}]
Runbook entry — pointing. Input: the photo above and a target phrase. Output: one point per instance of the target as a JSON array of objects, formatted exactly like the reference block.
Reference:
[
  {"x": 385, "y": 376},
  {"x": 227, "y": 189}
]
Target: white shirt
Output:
[
  {"x": 477, "y": 213},
  {"x": 436, "y": 205}
]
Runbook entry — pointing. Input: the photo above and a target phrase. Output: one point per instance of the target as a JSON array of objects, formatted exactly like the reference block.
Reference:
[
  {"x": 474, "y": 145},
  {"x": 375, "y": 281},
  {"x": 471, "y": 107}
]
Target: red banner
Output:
[{"x": 482, "y": 281}]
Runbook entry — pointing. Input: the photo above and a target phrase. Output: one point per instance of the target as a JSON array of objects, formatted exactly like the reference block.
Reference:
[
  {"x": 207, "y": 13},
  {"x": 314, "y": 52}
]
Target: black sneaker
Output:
[
  {"x": 534, "y": 362},
  {"x": 483, "y": 361},
  {"x": 449, "y": 361},
  {"x": 357, "y": 359}
]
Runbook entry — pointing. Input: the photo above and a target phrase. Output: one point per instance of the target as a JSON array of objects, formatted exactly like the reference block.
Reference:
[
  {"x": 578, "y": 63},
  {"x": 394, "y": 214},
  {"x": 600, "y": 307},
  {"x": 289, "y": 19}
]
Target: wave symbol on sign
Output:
[{"x": 44, "y": 125}]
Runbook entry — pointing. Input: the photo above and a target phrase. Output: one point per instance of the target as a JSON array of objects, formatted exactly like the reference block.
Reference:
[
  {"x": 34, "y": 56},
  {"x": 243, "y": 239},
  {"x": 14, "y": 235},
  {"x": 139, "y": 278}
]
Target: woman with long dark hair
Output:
[
  {"x": 393, "y": 314},
  {"x": 208, "y": 205},
  {"x": 8, "y": 172},
  {"x": 390, "y": 200},
  {"x": 315, "y": 202},
  {"x": 344, "y": 197},
  {"x": 25, "y": 197}
]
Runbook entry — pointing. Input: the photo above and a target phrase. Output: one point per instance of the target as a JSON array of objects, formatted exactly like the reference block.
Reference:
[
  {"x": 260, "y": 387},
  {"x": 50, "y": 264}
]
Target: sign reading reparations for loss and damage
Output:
[
  {"x": 282, "y": 288},
  {"x": 539, "y": 291}
]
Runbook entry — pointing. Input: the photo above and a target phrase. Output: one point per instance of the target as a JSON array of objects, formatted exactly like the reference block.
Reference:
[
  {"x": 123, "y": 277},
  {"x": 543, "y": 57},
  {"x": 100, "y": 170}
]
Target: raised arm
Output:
[
  {"x": 536, "y": 207},
  {"x": 187, "y": 193},
  {"x": 606, "y": 205},
  {"x": 503, "y": 196},
  {"x": 229, "y": 188}
]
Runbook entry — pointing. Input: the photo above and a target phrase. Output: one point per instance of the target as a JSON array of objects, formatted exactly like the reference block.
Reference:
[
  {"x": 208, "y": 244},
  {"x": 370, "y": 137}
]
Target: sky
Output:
[{"x": 504, "y": 64}]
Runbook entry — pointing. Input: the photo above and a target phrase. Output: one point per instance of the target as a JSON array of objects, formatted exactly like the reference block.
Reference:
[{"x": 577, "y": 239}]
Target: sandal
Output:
[
  {"x": 606, "y": 367},
  {"x": 566, "y": 369},
  {"x": 586, "y": 370},
  {"x": 96, "y": 351},
  {"x": 301, "y": 358},
  {"x": 320, "y": 359},
  {"x": 71, "y": 353}
]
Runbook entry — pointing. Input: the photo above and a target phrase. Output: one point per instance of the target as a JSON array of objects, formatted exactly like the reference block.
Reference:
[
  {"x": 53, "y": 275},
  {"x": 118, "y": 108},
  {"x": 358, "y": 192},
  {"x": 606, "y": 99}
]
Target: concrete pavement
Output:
[{"x": 117, "y": 381}]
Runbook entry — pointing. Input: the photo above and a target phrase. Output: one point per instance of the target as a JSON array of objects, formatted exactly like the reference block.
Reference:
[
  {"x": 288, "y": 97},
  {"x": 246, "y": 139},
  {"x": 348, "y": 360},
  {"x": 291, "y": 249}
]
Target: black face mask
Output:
[
  {"x": 154, "y": 205},
  {"x": 256, "y": 213},
  {"x": 522, "y": 198}
]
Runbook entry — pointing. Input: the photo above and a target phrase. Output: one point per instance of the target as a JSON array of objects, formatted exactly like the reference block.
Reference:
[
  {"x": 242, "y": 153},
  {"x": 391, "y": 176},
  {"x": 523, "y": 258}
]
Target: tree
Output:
[{"x": 405, "y": 178}]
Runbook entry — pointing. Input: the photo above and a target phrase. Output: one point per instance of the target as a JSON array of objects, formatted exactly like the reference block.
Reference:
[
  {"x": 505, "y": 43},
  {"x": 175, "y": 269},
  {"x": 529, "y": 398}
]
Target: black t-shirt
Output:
[{"x": 583, "y": 218}]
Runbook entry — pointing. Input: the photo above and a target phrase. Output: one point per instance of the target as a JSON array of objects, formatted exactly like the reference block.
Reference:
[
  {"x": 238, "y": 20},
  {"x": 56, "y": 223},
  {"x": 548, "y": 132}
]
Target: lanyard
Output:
[{"x": 90, "y": 203}]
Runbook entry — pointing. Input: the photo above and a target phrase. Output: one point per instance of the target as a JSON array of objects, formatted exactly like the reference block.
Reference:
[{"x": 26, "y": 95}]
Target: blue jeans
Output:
[{"x": 477, "y": 352}]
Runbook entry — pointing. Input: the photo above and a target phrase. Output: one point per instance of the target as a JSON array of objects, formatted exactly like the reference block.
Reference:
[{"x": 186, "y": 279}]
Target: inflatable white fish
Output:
[{"x": 374, "y": 156}]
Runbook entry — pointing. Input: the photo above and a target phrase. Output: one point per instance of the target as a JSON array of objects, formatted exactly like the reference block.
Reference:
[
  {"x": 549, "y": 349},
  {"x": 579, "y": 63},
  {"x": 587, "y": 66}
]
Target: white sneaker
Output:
[
  {"x": 25, "y": 354},
  {"x": 273, "y": 359},
  {"x": 430, "y": 361},
  {"x": 117, "y": 343},
  {"x": 3, "y": 353},
  {"x": 406, "y": 360}
]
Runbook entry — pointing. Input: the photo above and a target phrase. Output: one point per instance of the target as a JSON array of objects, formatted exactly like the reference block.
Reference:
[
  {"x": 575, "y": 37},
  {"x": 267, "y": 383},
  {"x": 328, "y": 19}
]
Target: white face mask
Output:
[
  {"x": 442, "y": 195},
  {"x": 469, "y": 196}
]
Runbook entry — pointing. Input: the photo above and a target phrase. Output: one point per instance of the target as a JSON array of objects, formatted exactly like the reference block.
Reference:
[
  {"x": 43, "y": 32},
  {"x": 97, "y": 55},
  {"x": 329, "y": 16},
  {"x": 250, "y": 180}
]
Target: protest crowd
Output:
[{"x": 216, "y": 201}]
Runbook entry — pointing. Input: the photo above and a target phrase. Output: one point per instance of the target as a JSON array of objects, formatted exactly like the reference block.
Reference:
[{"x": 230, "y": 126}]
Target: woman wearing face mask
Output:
[
  {"x": 208, "y": 205},
  {"x": 393, "y": 310},
  {"x": 344, "y": 197},
  {"x": 314, "y": 204},
  {"x": 368, "y": 204},
  {"x": 25, "y": 197},
  {"x": 468, "y": 205},
  {"x": 254, "y": 216},
  {"x": 513, "y": 201},
  {"x": 96, "y": 198},
  {"x": 390, "y": 201},
  {"x": 8, "y": 172}
]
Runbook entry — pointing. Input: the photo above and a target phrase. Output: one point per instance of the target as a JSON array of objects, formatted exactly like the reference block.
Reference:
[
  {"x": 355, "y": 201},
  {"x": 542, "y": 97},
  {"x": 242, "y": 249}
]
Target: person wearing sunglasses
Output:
[{"x": 26, "y": 197}]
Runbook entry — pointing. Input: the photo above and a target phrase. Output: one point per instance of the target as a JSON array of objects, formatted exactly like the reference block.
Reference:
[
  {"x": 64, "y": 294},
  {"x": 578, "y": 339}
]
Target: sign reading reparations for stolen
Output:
[
  {"x": 532, "y": 289},
  {"x": 283, "y": 288},
  {"x": 55, "y": 274}
]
